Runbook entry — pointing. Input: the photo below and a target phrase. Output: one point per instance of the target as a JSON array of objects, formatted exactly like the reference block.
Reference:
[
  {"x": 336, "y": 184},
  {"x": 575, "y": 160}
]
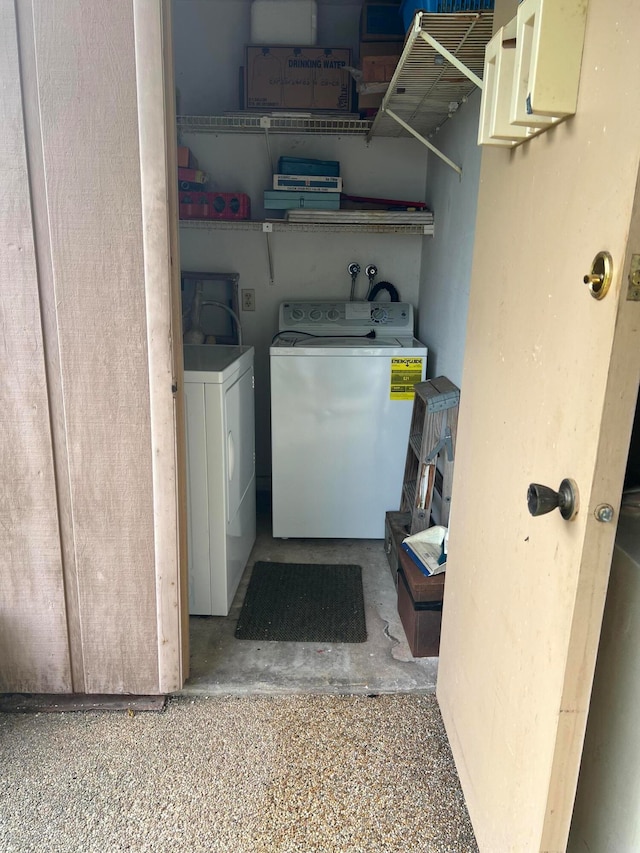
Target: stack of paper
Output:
[{"x": 427, "y": 549}]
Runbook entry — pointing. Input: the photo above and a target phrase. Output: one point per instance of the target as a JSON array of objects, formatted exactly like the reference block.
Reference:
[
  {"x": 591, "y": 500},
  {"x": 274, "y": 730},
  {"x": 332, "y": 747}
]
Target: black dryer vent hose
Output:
[{"x": 384, "y": 285}]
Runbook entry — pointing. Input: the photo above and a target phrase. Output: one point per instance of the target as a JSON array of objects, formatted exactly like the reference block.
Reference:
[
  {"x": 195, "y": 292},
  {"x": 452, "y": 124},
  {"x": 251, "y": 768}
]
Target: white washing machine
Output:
[
  {"x": 342, "y": 377},
  {"x": 221, "y": 493}
]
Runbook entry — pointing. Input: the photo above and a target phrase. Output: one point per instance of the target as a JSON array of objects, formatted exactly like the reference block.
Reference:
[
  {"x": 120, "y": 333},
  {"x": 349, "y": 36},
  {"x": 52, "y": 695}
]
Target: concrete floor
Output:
[{"x": 222, "y": 665}]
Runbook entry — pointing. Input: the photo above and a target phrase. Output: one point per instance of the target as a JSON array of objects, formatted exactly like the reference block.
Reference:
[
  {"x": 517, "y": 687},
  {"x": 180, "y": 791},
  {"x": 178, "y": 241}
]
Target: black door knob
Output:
[{"x": 542, "y": 499}]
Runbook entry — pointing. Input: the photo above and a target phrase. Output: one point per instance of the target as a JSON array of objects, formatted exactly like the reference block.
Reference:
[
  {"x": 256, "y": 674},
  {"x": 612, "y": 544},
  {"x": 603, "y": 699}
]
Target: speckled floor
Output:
[
  {"x": 270, "y": 748},
  {"x": 279, "y": 774}
]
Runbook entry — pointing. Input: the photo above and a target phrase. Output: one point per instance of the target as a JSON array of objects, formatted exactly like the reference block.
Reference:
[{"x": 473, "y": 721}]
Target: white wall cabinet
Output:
[
  {"x": 495, "y": 126},
  {"x": 533, "y": 71}
]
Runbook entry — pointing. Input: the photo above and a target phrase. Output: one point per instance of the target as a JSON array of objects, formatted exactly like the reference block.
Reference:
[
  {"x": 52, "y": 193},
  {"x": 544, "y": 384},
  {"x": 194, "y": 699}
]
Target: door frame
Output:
[{"x": 158, "y": 167}]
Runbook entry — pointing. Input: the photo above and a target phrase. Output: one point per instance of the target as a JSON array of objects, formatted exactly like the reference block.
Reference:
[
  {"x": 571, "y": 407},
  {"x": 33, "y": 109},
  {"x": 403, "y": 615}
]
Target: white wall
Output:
[
  {"x": 446, "y": 260},
  {"x": 209, "y": 39},
  {"x": 389, "y": 168},
  {"x": 306, "y": 265}
]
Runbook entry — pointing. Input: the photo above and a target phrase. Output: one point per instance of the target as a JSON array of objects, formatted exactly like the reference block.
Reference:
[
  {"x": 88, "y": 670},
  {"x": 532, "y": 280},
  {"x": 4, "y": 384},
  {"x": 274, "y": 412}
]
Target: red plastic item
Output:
[
  {"x": 196, "y": 176},
  {"x": 207, "y": 205},
  {"x": 229, "y": 206},
  {"x": 194, "y": 205}
]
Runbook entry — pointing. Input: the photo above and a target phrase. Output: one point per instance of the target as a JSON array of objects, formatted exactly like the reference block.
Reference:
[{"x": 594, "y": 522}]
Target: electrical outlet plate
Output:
[{"x": 248, "y": 299}]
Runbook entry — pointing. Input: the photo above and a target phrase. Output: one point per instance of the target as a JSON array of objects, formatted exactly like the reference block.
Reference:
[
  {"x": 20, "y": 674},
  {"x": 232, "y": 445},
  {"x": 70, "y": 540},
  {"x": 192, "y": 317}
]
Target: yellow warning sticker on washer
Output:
[{"x": 405, "y": 373}]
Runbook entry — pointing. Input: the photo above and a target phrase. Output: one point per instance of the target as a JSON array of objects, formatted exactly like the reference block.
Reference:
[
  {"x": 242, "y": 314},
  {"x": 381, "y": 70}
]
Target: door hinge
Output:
[{"x": 174, "y": 387}]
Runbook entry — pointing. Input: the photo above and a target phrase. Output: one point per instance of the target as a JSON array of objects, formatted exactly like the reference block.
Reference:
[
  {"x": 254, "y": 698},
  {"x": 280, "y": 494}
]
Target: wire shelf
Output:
[
  {"x": 250, "y": 123},
  {"x": 311, "y": 227},
  {"x": 426, "y": 89}
]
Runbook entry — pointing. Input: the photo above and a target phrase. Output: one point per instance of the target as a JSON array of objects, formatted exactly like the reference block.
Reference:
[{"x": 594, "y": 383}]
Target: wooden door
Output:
[
  {"x": 34, "y": 643},
  {"x": 92, "y": 597},
  {"x": 549, "y": 388}
]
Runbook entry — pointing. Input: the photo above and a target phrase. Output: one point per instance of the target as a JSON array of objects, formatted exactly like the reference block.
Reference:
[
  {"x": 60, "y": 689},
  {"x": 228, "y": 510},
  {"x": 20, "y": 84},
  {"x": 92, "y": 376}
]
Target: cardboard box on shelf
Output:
[
  {"x": 379, "y": 69},
  {"x": 370, "y": 102},
  {"x": 380, "y": 48},
  {"x": 379, "y": 58},
  {"x": 186, "y": 160},
  {"x": 378, "y": 62},
  {"x": 298, "y": 78}
]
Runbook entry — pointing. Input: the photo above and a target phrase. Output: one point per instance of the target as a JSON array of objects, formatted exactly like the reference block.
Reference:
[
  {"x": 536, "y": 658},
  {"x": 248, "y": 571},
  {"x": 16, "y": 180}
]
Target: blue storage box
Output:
[
  {"x": 409, "y": 8},
  {"x": 307, "y": 166},
  {"x": 285, "y": 200}
]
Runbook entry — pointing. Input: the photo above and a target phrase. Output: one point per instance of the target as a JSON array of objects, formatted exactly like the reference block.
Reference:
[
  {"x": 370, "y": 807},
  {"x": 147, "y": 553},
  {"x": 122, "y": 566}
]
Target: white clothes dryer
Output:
[
  {"x": 342, "y": 377},
  {"x": 221, "y": 492}
]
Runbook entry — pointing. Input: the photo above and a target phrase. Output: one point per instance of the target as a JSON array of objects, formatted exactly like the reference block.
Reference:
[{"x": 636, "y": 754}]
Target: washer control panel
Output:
[{"x": 347, "y": 318}]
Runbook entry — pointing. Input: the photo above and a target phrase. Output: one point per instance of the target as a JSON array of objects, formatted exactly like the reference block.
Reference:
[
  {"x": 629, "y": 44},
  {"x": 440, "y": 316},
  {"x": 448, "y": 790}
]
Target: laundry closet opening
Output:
[{"x": 294, "y": 320}]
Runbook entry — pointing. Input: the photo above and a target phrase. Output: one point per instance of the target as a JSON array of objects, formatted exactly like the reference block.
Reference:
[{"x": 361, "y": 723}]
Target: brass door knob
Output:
[{"x": 599, "y": 276}]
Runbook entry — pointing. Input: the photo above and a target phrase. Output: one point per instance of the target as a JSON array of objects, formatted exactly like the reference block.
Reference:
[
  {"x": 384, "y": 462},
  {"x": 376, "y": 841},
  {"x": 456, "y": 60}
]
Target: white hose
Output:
[{"x": 229, "y": 311}]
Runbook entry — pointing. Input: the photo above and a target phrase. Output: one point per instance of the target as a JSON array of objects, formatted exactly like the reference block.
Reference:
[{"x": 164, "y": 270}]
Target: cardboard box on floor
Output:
[{"x": 298, "y": 78}]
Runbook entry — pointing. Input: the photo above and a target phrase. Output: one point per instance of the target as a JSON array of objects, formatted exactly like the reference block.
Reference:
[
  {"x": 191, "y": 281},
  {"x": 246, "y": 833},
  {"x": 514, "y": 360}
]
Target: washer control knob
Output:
[
  {"x": 297, "y": 314},
  {"x": 315, "y": 314},
  {"x": 333, "y": 314},
  {"x": 379, "y": 315}
]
